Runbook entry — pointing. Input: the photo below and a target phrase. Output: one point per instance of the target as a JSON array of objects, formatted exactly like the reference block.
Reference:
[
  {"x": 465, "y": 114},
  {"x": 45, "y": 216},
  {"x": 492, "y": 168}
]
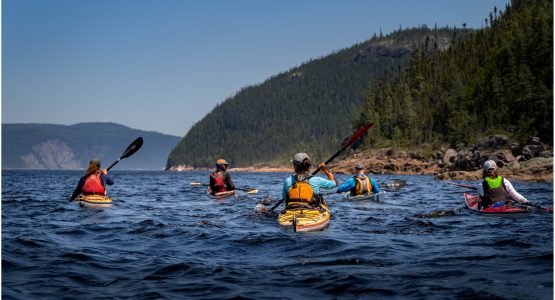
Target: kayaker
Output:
[
  {"x": 94, "y": 181},
  {"x": 495, "y": 190},
  {"x": 220, "y": 180},
  {"x": 302, "y": 188},
  {"x": 360, "y": 183}
]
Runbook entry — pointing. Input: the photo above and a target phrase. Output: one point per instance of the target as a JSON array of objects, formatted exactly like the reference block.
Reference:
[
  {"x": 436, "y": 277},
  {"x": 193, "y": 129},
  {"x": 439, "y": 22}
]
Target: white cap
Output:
[
  {"x": 490, "y": 165},
  {"x": 299, "y": 158}
]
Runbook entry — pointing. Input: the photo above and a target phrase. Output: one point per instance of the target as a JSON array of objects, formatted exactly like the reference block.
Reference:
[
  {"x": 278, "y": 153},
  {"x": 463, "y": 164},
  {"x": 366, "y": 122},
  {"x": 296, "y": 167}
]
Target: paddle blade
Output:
[
  {"x": 251, "y": 191},
  {"x": 134, "y": 147},
  {"x": 396, "y": 184},
  {"x": 357, "y": 135}
]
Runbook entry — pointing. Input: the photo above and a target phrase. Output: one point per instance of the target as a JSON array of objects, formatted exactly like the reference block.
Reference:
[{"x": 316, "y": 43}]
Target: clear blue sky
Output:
[{"x": 162, "y": 65}]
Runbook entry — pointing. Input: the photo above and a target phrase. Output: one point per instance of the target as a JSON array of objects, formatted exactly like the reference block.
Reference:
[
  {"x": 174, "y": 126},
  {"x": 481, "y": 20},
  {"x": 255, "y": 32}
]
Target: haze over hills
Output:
[
  {"x": 51, "y": 146},
  {"x": 310, "y": 108}
]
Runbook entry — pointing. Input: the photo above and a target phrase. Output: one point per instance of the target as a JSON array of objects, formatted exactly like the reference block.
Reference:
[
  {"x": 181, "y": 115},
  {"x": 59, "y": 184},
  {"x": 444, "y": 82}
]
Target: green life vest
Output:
[{"x": 495, "y": 190}]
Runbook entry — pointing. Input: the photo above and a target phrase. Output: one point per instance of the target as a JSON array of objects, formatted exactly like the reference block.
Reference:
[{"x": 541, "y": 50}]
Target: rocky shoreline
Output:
[{"x": 528, "y": 161}]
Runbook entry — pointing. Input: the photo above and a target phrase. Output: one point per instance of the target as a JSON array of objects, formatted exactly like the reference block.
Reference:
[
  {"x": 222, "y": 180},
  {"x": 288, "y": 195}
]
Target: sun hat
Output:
[{"x": 222, "y": 161}]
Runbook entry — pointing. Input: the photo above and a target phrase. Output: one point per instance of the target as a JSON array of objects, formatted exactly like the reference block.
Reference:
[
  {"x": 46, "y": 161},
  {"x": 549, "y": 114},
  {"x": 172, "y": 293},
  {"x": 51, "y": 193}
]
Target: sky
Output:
[{"x": 161, "y": 65}]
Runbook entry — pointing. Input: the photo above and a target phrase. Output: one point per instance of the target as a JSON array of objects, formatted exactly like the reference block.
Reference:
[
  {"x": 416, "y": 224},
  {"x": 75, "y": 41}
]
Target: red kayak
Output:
[{"x": 473, "y": 200}]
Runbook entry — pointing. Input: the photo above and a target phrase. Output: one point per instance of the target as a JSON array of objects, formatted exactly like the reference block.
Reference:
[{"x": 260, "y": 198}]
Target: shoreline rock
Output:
[{"x": 528, "y": 161}]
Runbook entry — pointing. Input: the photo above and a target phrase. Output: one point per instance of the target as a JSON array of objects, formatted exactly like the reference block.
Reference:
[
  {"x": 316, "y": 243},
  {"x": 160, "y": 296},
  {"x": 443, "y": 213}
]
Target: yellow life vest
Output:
[
  {"x": 300, "y": 193},
  {"x": 363, "y": 185}
]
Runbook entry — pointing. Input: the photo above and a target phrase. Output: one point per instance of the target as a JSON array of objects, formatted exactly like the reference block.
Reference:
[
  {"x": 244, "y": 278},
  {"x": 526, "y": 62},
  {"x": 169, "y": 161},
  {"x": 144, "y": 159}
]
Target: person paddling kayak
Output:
[
  {"x": 360, "y": 184},
  {"x": 94, "y": 181},
  {"x": 302, "y": 188},
  {"x": 495, "y": 190},
  {"x": 220, "y": 180}
]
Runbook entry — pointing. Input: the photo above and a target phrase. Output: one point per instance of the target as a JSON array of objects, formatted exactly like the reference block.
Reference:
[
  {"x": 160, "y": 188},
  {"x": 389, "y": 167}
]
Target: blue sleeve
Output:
[
  {"x": 318, "y": 183},
  {"x": 375, "y": 186},
  {"x": 286, "y": 184},
  {"x": 106, "y": 179},
  {"x": 347, "y": 186},
  {"x": 78, "y": 189}
]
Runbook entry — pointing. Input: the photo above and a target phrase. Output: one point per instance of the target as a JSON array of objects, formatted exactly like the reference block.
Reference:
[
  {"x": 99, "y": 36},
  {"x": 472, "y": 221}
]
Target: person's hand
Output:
[
  {"x": 322, "y": 167},
  {"x": 104, "y": 171}
]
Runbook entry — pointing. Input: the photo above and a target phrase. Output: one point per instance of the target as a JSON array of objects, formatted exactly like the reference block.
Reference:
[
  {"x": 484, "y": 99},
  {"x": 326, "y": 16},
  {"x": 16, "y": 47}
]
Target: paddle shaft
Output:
[
  {"x": 351, "y": 141},
  {"x": 206, "y": 184},
  {"x": 130, "y": 150}
]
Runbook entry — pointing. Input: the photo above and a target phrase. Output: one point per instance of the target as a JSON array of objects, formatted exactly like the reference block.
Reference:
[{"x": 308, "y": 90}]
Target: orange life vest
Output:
[
  {"x": 363, "y": 185},
  {"x": 301, "y": 193},
  {"x": 93, "y": 185}
]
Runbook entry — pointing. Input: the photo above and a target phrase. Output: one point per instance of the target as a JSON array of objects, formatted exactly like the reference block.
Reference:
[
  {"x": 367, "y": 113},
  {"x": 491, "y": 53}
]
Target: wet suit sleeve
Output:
[
  {"x": 347, "y": 186},
  {"x": 107, "y": 180},
  {"x": 375, "y": 186},
  {"x": 228, "y": 183},
  {"x": 78, "y": 189},
  {"x": 212, "y": 184}
]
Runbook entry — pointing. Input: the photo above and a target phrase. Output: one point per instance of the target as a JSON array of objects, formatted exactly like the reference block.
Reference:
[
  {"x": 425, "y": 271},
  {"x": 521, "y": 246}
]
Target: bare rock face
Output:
[{"x": 51, "y": 154}]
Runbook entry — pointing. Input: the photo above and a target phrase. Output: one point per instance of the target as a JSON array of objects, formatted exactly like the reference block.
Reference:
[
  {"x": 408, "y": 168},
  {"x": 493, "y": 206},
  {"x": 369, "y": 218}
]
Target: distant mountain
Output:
[
  {"x": 50, "y": 146},
  {"x": 310, "y": 108}
]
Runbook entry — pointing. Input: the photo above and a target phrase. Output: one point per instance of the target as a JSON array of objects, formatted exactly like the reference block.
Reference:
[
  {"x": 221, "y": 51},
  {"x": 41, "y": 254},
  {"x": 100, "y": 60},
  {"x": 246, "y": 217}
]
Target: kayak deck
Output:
[
  {"x": 305, "y": 219},
  {"x": 472, "y": 201},
  {"x": 378, "y": 197},
  {"x": 95, "y": 201}
]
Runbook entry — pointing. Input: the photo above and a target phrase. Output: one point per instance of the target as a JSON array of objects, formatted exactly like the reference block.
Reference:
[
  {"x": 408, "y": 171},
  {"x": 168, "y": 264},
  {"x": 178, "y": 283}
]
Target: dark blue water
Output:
[{"x": 164, "y": 239}]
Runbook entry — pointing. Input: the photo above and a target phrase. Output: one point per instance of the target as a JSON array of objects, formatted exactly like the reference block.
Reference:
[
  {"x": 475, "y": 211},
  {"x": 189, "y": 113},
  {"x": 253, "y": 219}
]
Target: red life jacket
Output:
[
  {"x": 93, "y": 185},
  {"x": 219, "y": 182}
]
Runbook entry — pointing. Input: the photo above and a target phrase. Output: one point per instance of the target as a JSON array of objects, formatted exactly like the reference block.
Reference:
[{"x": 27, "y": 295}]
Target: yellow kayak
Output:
[
  {"x": 95, "y": 201},
  {"x": 306, "y": 219}
]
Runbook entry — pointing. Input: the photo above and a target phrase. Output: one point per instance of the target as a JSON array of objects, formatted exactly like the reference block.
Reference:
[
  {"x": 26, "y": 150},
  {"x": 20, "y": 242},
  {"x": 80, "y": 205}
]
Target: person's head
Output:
[
  {"x": 301, "y": 162},
  {"x": 222, "y": 164},
  {"x": 94, "y": 166},
  {"x": 359, "y": 168},
  {"x": 490, "y": 169}
]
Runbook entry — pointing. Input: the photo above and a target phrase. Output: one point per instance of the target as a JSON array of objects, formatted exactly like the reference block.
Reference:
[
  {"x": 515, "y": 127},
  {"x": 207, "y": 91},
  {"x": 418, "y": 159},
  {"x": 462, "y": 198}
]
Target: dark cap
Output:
[{"x": 360, "y": 166}]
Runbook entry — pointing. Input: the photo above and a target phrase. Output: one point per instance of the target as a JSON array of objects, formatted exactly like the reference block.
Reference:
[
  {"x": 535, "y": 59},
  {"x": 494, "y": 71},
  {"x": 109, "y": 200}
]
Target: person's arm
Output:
[
  {"x": 285, "y": 188},
  {"x": 106, "y": 179},
  {"x": 347, "y": 186},
  {"x": 375, "y": 186},
  {"x": 229, "y": 184},
  {"x": 328, "y": 174},
  {"x": 513, "y": 193},
  {"x": 78, "y": 189}
]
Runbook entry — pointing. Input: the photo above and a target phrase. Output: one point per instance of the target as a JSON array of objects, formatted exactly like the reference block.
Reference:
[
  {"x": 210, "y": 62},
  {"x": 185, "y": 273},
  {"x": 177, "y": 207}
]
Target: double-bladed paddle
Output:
[
  {"x": 357, "y": 135},
  {"x": 250, "y": 191},
  {"x": 548, "y": 209},
  {"x": 131, "y": 149}
]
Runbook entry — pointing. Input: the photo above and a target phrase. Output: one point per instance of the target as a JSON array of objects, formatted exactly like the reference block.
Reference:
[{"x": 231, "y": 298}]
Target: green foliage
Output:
[
  {"x": 309, "y": 108},
  {"x": 497, "y": 79}
]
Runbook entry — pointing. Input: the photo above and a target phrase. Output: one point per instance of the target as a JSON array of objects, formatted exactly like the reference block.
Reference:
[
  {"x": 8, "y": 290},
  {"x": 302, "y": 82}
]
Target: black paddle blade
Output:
[{"x": 134, "y": 147}]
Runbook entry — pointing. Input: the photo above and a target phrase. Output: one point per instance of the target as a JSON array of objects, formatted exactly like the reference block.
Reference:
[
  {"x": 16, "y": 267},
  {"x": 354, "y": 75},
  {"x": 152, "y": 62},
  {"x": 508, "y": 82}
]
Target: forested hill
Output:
[
  {"x": 309, "y": 108},
  {"x": 52, "y": 146},
  {"x": 498, "y": 80}
]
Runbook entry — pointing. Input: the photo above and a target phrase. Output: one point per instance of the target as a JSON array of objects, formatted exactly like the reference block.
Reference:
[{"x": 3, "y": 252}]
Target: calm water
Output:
[{"x": 164, "y": 239}]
